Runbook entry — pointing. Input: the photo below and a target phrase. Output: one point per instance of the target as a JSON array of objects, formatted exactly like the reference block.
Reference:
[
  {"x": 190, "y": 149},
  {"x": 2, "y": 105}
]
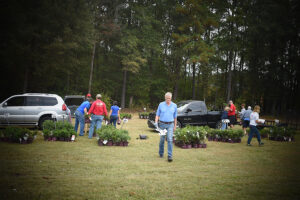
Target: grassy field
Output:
[{"x": 83, "y": 170}]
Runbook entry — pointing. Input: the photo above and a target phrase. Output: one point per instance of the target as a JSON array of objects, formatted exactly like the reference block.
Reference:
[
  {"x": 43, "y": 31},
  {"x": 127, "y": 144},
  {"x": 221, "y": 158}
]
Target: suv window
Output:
[
  {"x": 16, "y": 101},
  {"x": 40, "y": 101},
  {"x": 197, "y": 106},
  {"x": 71, "y": 101}
]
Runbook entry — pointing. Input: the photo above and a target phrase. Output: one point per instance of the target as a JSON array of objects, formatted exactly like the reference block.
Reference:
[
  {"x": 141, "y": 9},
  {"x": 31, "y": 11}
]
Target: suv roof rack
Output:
[{"x": 38, "y": 94}]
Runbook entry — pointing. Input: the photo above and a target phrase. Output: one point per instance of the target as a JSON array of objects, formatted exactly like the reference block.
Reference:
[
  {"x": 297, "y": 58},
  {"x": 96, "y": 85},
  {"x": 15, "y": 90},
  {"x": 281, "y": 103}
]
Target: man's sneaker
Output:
[
  {"x": 170, "y": 159},
  {"x": 249, "y": 145},
  {"x": 261, "y": 144},
  {"x": 161, "y": 156}
]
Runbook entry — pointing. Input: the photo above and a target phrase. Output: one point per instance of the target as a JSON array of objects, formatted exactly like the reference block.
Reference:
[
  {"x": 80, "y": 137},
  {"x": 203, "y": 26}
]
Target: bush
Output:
[
  {"x": 110, "y": 133},
  {"x": 18, "y": 134},
  {"x": 191, "y": 135},
  {"x": 58, "y": 129},
  {"x": 125, "y": 115}
]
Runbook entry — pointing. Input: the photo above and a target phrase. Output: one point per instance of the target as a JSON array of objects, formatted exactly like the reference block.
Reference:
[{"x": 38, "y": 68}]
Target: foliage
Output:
[
  {"x": 110, "y": 133},
  {"x": 191, "y": 134},
  {"x": 125, "y": 115},
  {"x": 18, "y": 134},
  {"x": 58, "y": 129}
]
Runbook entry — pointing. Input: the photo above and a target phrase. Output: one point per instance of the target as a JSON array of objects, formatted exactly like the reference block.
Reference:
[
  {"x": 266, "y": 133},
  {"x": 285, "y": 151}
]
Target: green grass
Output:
[{"x": 82, "y": 170}]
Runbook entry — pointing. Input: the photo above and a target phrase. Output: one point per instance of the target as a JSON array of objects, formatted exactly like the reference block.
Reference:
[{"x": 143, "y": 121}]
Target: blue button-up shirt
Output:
[{"x": 167, "y": 113}]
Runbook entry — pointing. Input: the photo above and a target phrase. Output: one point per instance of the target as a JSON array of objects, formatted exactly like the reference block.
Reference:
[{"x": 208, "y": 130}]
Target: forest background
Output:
[{"x": 134, "y": 51}]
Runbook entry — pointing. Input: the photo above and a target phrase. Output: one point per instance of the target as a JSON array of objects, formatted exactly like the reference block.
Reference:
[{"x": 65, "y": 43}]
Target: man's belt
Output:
[{"x": 166, "y": 122}]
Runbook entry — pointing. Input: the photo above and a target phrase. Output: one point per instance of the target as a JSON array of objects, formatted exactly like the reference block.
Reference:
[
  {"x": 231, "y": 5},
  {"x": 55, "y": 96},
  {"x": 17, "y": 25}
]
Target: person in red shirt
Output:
[
  {"x": 98, "y": 111},
  {"x": 231, "y": 113}
]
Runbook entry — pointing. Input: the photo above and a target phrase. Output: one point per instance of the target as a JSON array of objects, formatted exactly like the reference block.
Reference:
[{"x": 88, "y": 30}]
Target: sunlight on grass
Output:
[{"x": 83, "y": 170}]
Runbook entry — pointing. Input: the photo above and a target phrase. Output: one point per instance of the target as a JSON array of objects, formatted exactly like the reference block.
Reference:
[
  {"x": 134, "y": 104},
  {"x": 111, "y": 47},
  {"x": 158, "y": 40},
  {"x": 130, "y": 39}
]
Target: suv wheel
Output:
[
  {"x": 42, "y": 120},
  {"x": 218, "y": 125}
]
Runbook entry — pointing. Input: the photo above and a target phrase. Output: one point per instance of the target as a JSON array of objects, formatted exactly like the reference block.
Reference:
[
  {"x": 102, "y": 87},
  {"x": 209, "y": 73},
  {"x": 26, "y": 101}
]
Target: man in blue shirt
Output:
[
  {"x": 166, "y": 118},
  {"x": 79, "y": 115}
]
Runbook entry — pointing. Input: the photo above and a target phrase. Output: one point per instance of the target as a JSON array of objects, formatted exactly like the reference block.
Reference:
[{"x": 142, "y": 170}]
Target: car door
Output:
[
  {"x": 196, "y": 113},
  {"x": 13, "y": 110},
  {"x": 32, "y": 109}
]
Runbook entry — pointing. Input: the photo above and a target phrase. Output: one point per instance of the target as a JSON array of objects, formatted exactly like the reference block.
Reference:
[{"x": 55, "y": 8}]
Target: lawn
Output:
[{"x": 83, "y": 170}]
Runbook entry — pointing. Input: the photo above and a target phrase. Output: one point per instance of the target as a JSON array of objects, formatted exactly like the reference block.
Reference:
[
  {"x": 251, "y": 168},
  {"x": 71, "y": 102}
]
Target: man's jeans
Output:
[
  {"x": 96, "y": 119},
  {"x": 113, "y": 119},
  {"x": 253, "y": 129},
  {"x": 169, "y": 135},
  {"x": 79, "y": 119}
]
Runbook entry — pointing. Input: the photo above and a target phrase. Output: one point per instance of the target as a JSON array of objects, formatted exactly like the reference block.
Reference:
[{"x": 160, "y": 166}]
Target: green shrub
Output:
[
  {"x": 191, "y": 134},
  {"x": 125, "y": 115},
  {"x": 109, "y": 132},
  {"x": 18, "y": 134},
  {"x": 49, "y": 125}
]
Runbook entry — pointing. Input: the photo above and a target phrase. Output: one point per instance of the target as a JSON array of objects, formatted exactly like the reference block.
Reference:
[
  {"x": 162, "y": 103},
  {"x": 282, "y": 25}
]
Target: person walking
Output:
[
  {"x": 166, "y": 118},
  {"x": 254, "y": 120},
  {"x": 79, "y": 115},
  {"x": 231, "y": 113},
  {"x": 246, "y": 119},
  {"x": 98, "y": 111},
  {"x": 114, "y": 113},
  {"x": 224, "y": 118}
]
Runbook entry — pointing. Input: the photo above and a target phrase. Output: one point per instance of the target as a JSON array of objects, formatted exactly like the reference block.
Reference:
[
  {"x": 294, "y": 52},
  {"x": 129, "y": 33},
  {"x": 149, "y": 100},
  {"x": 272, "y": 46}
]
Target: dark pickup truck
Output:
[{"x": 193, "y": 113}]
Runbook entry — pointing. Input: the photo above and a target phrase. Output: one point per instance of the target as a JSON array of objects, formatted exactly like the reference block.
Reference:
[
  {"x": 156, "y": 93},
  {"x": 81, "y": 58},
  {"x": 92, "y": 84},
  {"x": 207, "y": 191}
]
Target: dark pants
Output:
[
  {"x": 113, "y": 119},
  {"x": 253, "y": 130}
]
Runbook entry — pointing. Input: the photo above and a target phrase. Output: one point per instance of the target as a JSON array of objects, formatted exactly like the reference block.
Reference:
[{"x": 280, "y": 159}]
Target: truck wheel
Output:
[
  {"x": 42, "y": 120},
  {"x": 179, "y": 125},
  {"x": 218, "y": 125}
]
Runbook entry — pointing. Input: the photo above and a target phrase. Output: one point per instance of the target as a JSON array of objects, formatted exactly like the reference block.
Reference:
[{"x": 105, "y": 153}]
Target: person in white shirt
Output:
[{"x": 254, "y": 120}]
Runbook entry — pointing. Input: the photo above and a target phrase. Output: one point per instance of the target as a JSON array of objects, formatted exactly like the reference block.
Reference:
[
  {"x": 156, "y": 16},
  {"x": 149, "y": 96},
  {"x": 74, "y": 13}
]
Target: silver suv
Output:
[{"x": 32, "y": 109}]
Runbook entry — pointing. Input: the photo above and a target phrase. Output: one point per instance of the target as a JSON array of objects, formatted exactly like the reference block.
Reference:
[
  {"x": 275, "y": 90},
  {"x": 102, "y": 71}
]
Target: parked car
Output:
[
  {"x": 193, "y": 113},
  {"x": 73, "y": 102},
  {"x": 32, "y": 109}
]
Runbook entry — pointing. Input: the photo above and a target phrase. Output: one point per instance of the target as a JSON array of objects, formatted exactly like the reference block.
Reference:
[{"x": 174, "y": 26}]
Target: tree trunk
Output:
[
  {"x": 123, "y": 98},
  {"x": 229, "y": 77},
  {"x": 194, "y": 82},
  {"x": 92, "y": 68},
  {"x": 130, "y": 101},
  {"x": 26, "y": 80}
]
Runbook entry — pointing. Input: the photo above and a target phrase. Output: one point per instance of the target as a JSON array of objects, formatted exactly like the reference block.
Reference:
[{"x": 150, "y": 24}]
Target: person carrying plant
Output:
[
  {"x": 254, "y": 120},
  {"x": 79, "y": 115},
  {"x": 166, "y": 118},
  {"x": 98, "y": 111},
  {"x": 114, "y": 113}
]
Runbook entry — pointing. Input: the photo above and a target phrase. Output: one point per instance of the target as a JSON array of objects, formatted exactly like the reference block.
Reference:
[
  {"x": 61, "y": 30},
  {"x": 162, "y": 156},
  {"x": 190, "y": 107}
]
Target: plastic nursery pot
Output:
[
  {"x": 67, "y": 139},
  {"x": 189, "y": 146},
  {"x": 230, "y": 141},
  {"x": 109, "y": 143},
  {"x": 125, "y": 144},
  {"x": 61, "y": 139},
  {"x": 184, "y": 146},
  {"x": 29, "y": 140},
  {"x": 49, "y": 138},
  {"x": 45, "y": 138},
  {"x": 121, "y": 144},
  {"x": 203, "y": 145},
  {"x": 54, "y": 138},
  {"x": 195, "y": 145},
  {"x": 100, "y": 142}
]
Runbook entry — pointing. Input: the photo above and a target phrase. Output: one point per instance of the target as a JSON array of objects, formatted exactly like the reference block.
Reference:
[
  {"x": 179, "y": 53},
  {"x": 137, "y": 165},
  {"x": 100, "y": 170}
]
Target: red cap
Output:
[{"x": 88, "y": 95}]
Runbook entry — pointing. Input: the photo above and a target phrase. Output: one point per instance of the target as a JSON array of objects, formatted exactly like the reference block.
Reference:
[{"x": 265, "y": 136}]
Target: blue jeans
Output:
[
  {"x": 224, "y": 126},
  {"x": 79, "y": 119},
  {"x": 113, "y": 119},
  {"x": 169, "y": 135},
  {"x": 253, "y": 129},
  {"x": 96, "y": 119}
]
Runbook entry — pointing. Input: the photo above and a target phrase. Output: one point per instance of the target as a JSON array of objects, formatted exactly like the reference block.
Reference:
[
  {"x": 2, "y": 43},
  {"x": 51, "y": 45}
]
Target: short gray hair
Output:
[
  {"x": 98, "y": 96},
  {"x": 168, "y": 94}
]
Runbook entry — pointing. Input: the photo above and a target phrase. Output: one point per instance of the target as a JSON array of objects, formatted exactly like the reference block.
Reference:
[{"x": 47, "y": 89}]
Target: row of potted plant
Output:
[
  {"x": 125, "y": 115},
  {"x": 18, "y": 135},
  {"x": 110, "y": 136},
  {"x": 144, "y": 115},
  {"x": 61, "y": 131},
  {"x": 279, "y": 133},
  {"x": 227, "y": 135},
  {"x": 190, "y": 136}
]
